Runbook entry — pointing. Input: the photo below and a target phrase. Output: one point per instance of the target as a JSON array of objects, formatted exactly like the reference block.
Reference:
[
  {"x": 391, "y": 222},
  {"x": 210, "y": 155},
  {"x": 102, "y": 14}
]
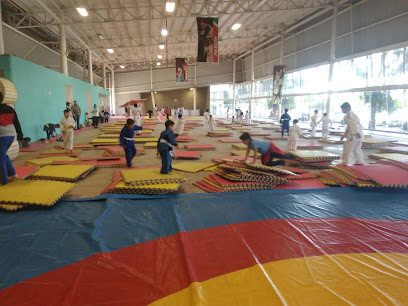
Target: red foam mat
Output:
[
  {"x": 302, "y": 184},
  {"x": 199, "y": 146},
  {"x": 25, "y": 171},
  {"x": 188, "y": 154},
  {"x": 386, "y": 175},
  {"x": 76, "y": 162},
  {"x": 112, "y": 163},
  {"x": 230, "y": 140}
]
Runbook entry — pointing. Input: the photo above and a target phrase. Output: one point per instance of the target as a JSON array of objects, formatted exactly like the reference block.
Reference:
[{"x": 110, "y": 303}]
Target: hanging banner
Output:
[
  {"x": 207, "y": 40},
  {"x": 278, "y": 77},
  {"x": 181, "y": 70}
]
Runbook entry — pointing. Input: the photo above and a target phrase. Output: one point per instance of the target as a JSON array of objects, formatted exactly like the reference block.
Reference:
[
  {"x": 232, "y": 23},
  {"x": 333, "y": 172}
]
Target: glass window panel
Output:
[
  {"x": 263, "y": 88},
  {"x": 342, "y": 72},
  {"x": 359, "y": 76},
  {"x": 243, "y": 91},
  {"x": 288, "y": 84},
  {"x": 394, "y": 67},
  {"x": 223, "y": 91},
  {"x": 296, "y": 82},
  {"x": 375, "y": 69}
]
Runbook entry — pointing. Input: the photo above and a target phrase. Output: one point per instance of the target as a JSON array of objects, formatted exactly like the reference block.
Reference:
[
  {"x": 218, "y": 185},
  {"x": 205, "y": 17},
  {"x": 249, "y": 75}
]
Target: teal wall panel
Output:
[{"x": 41, "y": 94}]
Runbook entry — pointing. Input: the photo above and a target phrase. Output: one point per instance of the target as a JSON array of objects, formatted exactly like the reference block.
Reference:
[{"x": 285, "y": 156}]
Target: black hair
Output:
[
  {"x": 325, "y": 114},
  {"x": 316, "y": 111},
  {"x": 168, "y": 123},
  {"x": 57, "y": 125},
  {"x": 245, "y": 136},
  {"x": 179, "y": 116},
  {"x": 295, "y": 121},
  {"x": 66, "y": 111},
  {"x": 1, "y": 97},
  {"x": 67, "y": 103},
  {"x": 345, "y": 105},
  {"x": 130, "y": 121},
  {"x": 286, "y": 110}
]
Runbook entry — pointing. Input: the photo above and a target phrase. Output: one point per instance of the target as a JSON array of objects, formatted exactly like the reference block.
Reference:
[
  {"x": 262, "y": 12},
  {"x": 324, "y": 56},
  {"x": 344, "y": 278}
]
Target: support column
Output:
[
  {"x": 1, "y": 33},
  {"x": 90, "y": 72},
  {"x": 84, "y": 65},
  {"x": 153, "y": 99},
  {"x": 104, "y": 75},
  {"x": 282, "y": 41},
  {"x": 195, "y": 90},
  {"x": 113, "y": 91},
  {"x": 252, "y": 80},
  {"x": 63, "y": 44},
  {"x": 234, "y": 67},
  {"x": 332, "y": 52},
  {"x": 110, "y": 93}
]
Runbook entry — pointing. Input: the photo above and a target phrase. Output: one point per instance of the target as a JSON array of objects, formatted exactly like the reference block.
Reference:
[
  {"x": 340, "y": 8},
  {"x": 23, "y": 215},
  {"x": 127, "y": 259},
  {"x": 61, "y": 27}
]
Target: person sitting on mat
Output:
[
  {"x": 49, "y": 128},
  {"x": 268, "y": 150},
  {"x": 180, "y": 125},
  {"x": 126, "y": 140},
  {"x": 165, "y": 144},
  {"x": 67, "y": 126}
]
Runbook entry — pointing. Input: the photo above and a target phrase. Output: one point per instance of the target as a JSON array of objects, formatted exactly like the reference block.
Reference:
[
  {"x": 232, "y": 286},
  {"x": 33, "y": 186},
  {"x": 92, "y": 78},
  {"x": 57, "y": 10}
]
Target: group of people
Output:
[
  {"x": 240, "y": 117},
  {"x": 354, "y": 132}
]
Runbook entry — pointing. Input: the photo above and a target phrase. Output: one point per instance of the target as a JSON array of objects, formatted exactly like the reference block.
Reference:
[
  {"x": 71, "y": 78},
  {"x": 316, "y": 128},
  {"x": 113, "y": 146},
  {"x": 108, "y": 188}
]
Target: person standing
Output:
[
  {"x": 165, "y": 145},
  {"x": 136, "y": 117},
  {"x": 127, "y": 142},
  {"x": 354, "y": 135},
  {"x": 227, "y": 112},
  {"x": 67, "y": 125},
  {"x": 9, "y": 126},
  {"x": 95, "y": 116},
  {"x": 284, "y": 120},
  {"x": 76, "y": 112},
  {"x": 294, "y": 134},
  {"x": 313, "y": 123},
  {"x": 325, "y": 127},
  {"x": 167, "y": 111},
  {"x": 155, "y": 112}
]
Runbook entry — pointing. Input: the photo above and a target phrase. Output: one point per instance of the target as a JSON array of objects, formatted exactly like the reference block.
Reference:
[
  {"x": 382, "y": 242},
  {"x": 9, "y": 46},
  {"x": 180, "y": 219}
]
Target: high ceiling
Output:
[{"x": 133, "y": 27}]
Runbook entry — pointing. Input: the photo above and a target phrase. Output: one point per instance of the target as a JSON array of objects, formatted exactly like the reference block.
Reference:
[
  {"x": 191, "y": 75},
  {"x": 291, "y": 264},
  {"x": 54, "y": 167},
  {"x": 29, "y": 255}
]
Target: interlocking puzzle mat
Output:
[
  {"x": 188, "y": 154},
  {"x": 219, "y": 134},
  {"x": 192, "y": 167},
  {"x": 276, "y": 137},
  {"x": 308, "y": 165},
  {"x": 384, "y": 175},
  {"x": 68, "y": 173},
  {"x": 332, "y": 141},
  {"x": 119, "y": 151},
  {"x": 394, "y": 149},
  {"x": 78, "y": 147},
  {"x": 24, "y": 171},
  {"x": 392, "y": 156},
  {"x": 137, "y": 177},
  {"x": 240, "y": 128},
  {"x": 249, "y": 124},
  {"x": 302, "y": 184},
  {"x": 59, "y": 151},
  {"x": 233, "y": 173},
  {"x": 294, "y": 170},
  {"x": 314, "y": 156},
  {"x": 150, "y": 145},
  {"x": 272, "y": 128},
  {"x": 78, "y": 162},
  {"x": 263, "y": 168},
  {"x": 243, "y": 153},
  {"x": 155, "y": 189},
  {"x": 240, "y": 146},
  {"x": 105, "y": 141},
  {"x": 34, "y": 192},
  {"x": 230, "y": 140},
  {"x": 115, "y": 163},
  {"x": 111, "y": 157},
  {"x": 309, "y": 146},
  {"x": 199, "y": 147},
  {"x": 11, "y": 207},
  {"x": 229, "y": 158},
  {"x": 224, "y": 183},
  {"x": 48, "y": 160},
  {"x": 183, "y": 138},
  {"x": 54, "y": 155}
]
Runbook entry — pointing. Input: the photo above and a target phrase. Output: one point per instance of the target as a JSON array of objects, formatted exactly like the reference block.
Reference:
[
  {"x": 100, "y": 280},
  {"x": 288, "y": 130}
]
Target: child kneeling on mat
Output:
[
  {"x": 165, "y": 144},
  {"x": 67, "y": 125},
  {"x": 127, "y": 142},
  {"x": 268, "y": 150}
]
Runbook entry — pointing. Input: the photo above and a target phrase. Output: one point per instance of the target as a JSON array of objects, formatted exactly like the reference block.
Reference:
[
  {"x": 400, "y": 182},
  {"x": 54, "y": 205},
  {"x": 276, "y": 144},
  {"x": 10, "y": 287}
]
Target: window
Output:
[
  {"x": 394, "y": 67},
  {"x": 375, "y": 70}
]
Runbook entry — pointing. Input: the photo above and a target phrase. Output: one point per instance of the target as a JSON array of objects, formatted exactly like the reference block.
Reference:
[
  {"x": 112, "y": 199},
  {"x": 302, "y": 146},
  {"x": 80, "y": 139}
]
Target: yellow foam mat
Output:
[
  {"x": 242, "y": 153},
  {"x": 48, "y": 160},
  {"x": 375, "y": 141},
  {"x": 62, "y": 172},
  {"x": 239, "y": 146},
  {"x": 192, "y": 166},
  {"x": 56, "y": 151},
  {"x": 150, "y": 145},
  {"x": 313, "y": 154},
  {"x": 171, "y": 187},
  {"x": 395, "y": 156},
  {"x": 141, "y": 140},
  {"x": 11, "y": 207},
  {"x": 150, "y": 176},
  {"x": 34, "y": 192},
  {"x": 211, "y": 168},
  {"x": 107, "y": 141}
]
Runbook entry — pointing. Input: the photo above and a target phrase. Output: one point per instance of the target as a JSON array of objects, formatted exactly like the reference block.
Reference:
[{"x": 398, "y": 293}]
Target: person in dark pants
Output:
[
  {"x": 167, "y": 111},
  {"x": 49, "y": 128},
  {"x": 127, "y": 142},
  {"x": 285, "y": 119},
  {"x": 165, "y": 144},
  {"x": 76, "y": 112},
  {"x": 9, "y": 125},
  {"x": 268, "y": 150},
  {"x": 95, "y": 116},
  {"x": 107, "y": 114}
]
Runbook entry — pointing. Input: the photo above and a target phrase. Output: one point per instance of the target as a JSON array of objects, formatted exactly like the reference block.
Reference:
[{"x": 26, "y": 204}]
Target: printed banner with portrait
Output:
[
  {"x": 207, "y": 40},
  {"x": 181, "y": 70},
  {"x": 278, "y": 78}
]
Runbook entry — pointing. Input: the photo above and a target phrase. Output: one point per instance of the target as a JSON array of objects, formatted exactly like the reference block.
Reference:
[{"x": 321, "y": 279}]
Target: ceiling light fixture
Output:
[
  {"x": 110, "y": 50},
  {"x": 155, "y": 92},
  {"x": 122, "y": 66},
  {"x": 191, "y": 88},
  {"x": 158, "y": 64},
  {"x": 161, "y": 47},
  {"x": 236, "y": 26},
  {"x": 82, "y": 11},
  {"x": 170, "y": 5},
  {"x": 160, "y": 56},
  {"x": 164, "y": 32}
]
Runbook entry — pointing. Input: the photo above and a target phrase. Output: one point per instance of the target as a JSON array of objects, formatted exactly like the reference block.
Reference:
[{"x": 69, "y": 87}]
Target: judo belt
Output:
[
  {"x": 128, "y": 139},
  {"x": 169, "y": 144}
]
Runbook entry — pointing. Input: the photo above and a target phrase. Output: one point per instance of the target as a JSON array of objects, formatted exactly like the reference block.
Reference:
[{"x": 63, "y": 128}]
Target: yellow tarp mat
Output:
[
  {"x": 192, "y": 166},
  {"x": 150, "y": 176},
  {"x": 34, "y": 192},
  {"x": 239, "y": 146},
  {"x": 48, "y": 160},
  {"x": 62, "y": 172}
]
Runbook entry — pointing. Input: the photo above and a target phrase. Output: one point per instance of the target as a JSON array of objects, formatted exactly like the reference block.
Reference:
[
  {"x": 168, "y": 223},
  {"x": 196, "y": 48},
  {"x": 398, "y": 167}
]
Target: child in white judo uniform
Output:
[
  {"x": 179, "y": 126},
  {"x": 354, "y": 135},
  {"x": 211, "y": 124},
  {"x": 136, "y": 117},
  {"x": 325, "y": 125},
  {"x": 206, "y": 116},
  {"x": 313, "y": 123},
  {"x": 67, "y": 125},
  {"x": 294, "y": 133}
]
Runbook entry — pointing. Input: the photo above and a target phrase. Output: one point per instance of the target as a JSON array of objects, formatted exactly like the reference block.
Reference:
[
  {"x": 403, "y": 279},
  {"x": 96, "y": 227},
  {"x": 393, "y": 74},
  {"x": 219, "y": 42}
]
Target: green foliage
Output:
[{"x": 381, "y": 101}]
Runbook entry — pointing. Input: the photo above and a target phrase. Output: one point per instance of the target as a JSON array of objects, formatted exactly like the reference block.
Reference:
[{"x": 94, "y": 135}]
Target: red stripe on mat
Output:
[{"x": 146, "y": 272}]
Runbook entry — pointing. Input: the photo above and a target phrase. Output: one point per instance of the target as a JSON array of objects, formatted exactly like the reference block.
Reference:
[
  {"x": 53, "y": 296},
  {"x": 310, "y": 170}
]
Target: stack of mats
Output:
[
  {"x": 220, "y": 160},
  {"x": 199, "y": 147},
  {"x": 395, "y": 156},
  {"x": 184, "y": 138},
  {"x": 18, "y": 194},
  {"x": 188, "y": 154},
  {"x": 78, "y": 147},
  {"x": 395, "y": 149},
  {"x": 230, "y": 140},
  {"x": 68, "y": 173},
  {"x": 312, "y": 159},
  {"x": 118, "y": 150},
  {"x": 148, "y": 181},
  {"x": 150, "y": 145},
  {"x": 398, "y": 160},
  {"x": 309, "y": 146},
  {"x": 192, "y": 167},
  {"x": 240, "y": 146},
  {"x": 374, "y": 144},
  {"x": 217, "y": 133}
]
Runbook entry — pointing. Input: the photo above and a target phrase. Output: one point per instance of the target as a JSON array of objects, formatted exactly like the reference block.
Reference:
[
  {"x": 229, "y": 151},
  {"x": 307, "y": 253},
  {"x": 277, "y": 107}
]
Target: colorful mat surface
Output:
[{"x": 259, "y": 248}]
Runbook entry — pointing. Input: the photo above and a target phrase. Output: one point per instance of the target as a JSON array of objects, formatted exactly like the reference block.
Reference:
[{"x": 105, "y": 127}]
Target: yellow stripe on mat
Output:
[{"x": 341, "y": 279}]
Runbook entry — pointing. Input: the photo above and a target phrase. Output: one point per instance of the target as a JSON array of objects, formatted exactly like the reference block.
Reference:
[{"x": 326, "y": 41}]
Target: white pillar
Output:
[
  {"x": 153, "y": 100},
  {"x": 90, "y": 72},
  {"x": 1, "y": 33},
  {"x": 279, "y": 99},
  {"x": 252, "y": 79},
  {"x": 332, "y": 52},
  {"x": 63, "y": 44},
  {"x": 234, "y": 67},
  {"x": 84, "y": 65},
  {"x": 113, "y": 91},
  {"x": 195, "y": 90},
  {"x": 104, "y": 75},
  {"x": 110, "y": 93}
]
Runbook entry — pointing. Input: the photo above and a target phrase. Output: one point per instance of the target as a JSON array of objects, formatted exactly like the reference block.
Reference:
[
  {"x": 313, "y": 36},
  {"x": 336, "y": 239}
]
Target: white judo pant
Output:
[
  {"x": 313, "y": 133},
  {"x": 325, "y": 132},
  {"x": 137, "y": 122},
  {"x": 353, "y": 146},
  {"x": 69, "y": 141},
  {"x": 292, "y": 145}
]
